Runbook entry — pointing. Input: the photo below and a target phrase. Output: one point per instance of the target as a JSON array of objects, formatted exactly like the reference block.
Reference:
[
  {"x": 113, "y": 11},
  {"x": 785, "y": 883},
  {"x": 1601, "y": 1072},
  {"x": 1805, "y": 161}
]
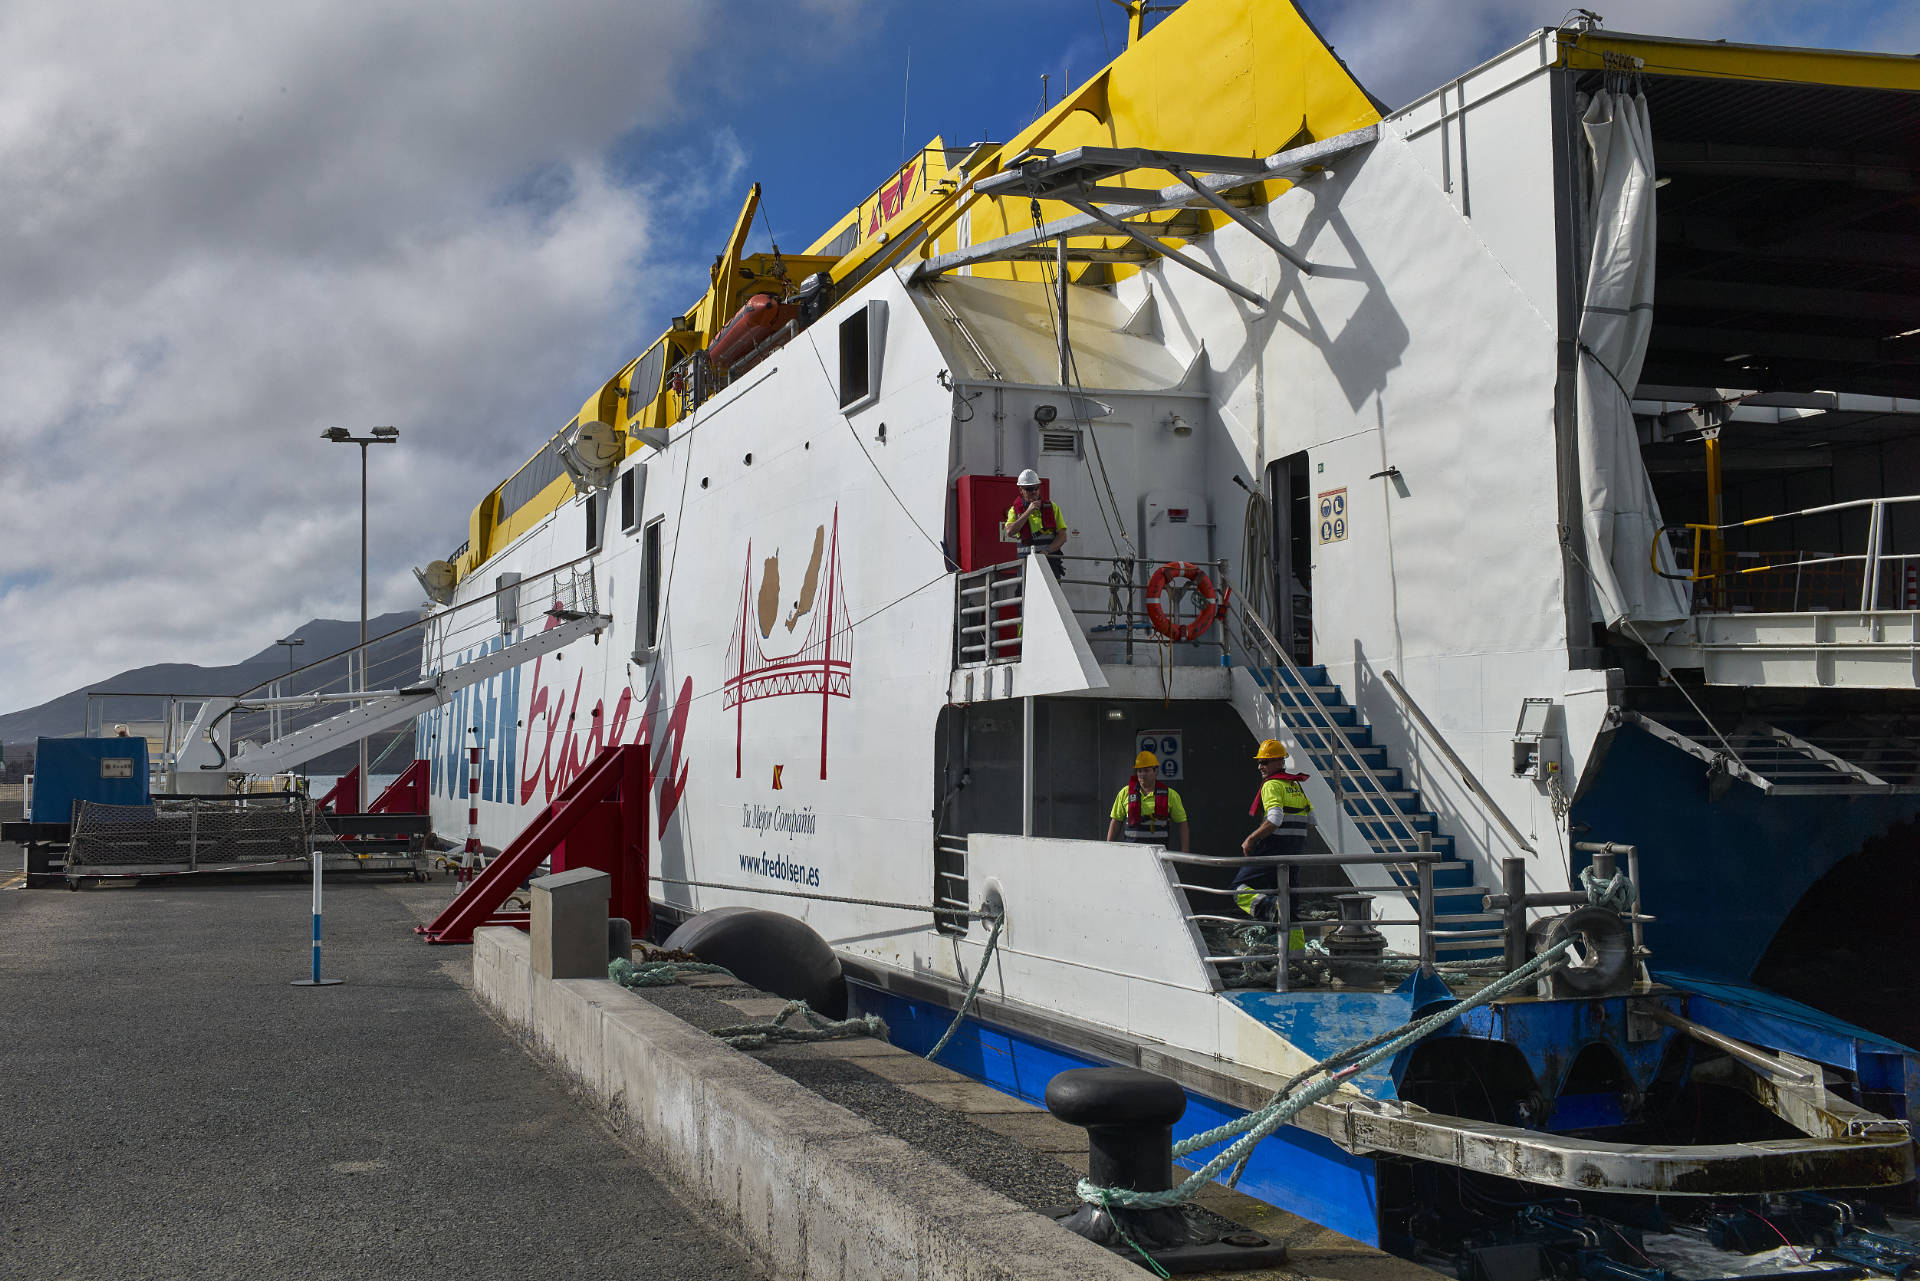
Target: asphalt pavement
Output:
[{"x": 171, "y": 1107}]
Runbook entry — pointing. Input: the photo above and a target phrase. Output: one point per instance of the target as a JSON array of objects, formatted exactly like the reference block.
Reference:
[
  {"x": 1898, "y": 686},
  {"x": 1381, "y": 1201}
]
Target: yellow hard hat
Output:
[
  {"x": 1146, "y": 759},
  {"x": 1271, "y": 750}
]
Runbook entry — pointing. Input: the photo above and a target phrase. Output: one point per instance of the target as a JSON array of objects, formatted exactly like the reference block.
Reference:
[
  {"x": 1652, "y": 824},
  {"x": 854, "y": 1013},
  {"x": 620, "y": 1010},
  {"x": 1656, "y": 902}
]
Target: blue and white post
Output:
[{"x": 316, "y": 980}]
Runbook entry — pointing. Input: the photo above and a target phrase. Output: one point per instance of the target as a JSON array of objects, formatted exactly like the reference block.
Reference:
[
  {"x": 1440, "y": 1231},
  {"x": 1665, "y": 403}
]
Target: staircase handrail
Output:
[
  {"x": 1488, "y": 806},
  {"x": 1408, "y": 843},
  {"x": 415, "y": 625}
]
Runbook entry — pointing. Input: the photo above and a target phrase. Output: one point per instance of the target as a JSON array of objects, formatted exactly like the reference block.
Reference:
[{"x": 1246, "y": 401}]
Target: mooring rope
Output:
[
  {"x": 748, "y": 1036},
  {"x": 755, "y": 1036},
  {"x": 659, "y": 973},
  {"x": 1286, "y": 1104},
  {"x": 1615, "y": 892},
  {"x": 979, "y": 975}
]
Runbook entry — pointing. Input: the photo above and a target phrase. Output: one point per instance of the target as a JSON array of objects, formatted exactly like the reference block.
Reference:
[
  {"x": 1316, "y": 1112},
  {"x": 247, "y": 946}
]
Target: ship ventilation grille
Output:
[{"x": 1060, "y": 442}]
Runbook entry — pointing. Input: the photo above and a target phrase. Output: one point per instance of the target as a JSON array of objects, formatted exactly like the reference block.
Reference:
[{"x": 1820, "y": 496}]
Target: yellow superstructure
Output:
[
  {"x": 1222, "y": 77},
  {"x": 1219, "y": 76}
]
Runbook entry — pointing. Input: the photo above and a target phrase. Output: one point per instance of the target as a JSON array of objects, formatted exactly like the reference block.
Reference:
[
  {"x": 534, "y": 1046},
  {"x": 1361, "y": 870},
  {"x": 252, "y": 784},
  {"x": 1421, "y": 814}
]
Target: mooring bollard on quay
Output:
[{"x": 1128, "y": 1115}]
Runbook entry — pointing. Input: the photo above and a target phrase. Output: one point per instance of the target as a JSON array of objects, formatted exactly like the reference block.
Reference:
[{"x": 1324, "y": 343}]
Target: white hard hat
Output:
[{"x": 1029, "y": 479}]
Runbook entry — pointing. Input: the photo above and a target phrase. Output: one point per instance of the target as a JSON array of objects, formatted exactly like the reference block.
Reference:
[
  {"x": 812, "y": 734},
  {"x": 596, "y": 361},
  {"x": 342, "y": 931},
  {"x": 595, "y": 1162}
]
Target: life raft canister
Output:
[
  {"x": 1157, "y": 613},
  {"x": 752, "y": 325}
]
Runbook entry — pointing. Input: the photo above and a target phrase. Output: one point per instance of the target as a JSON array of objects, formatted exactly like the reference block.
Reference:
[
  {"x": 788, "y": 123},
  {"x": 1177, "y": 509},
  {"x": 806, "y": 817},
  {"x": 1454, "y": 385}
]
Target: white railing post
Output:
[
  {"x": 316, "y": 980},
  {"x": 1870, "y": 589}
]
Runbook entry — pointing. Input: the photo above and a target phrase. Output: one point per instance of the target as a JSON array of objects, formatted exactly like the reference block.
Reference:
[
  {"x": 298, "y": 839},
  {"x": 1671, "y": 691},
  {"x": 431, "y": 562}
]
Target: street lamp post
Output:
[{"x": 380, "y": 436}]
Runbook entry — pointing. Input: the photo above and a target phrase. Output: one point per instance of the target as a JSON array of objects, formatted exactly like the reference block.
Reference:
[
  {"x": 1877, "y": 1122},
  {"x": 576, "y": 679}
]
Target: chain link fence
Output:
[{"x": 196, "y": 832}]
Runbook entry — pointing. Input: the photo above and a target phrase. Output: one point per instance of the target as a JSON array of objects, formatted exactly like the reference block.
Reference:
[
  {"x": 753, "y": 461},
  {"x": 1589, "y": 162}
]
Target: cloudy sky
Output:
[{"x": 226, "y": 226}]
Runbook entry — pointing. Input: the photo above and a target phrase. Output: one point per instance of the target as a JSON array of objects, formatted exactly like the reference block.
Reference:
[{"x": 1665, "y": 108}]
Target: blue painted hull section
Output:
[
  {"x": 1292, "y": 1169},
  {"x": 1720, "y": 875},
  {"x": 1324, "y": 1023}
]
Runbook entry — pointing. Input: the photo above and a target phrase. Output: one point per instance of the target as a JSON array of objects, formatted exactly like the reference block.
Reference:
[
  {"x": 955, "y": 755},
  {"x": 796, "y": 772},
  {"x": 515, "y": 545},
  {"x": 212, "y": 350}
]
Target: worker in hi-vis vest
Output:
[
  {"x": 1285, "y": 816},
  {"x": 1146, "y": 810},
  {"x": 1036, "y": 524}
]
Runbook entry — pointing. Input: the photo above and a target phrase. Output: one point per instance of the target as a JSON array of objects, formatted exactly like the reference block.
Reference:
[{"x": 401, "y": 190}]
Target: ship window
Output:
[
  {"x": 644, "y": 385},
  {"x": 633, "y": 491},
  {"x": 845, "y": 242},
  {"x": 593, "y": 522},
  {"x": 862, "y": 342},
  {"x": 506, "y": 605},
  {"x": 540, "y": 471},
  {"x": 646, "y": 624}
]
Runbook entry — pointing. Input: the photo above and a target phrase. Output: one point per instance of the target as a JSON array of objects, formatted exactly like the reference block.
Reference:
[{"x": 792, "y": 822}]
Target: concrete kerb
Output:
[{"x": 815, "y": 1190}]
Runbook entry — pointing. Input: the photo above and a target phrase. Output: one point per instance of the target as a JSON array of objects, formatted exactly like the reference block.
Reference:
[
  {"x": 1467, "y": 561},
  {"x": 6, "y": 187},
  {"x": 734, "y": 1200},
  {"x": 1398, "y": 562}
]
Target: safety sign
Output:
[
  {"x": 1164, "y": 743},
  {"x": 1332, "y": 510}
]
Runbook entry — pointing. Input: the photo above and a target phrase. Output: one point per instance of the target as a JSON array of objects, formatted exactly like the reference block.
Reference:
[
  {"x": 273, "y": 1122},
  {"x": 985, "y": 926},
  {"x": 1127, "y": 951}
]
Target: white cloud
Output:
[{"x": 224, "y": 227}]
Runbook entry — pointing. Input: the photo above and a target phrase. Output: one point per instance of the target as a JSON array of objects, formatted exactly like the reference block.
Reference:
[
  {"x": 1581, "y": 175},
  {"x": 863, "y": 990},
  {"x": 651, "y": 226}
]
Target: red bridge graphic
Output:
[{"x": 823, "y": 664}]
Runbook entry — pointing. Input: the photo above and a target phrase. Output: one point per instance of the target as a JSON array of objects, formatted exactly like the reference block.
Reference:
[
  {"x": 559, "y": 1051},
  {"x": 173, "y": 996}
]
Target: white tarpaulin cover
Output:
[{"x": 1621, "y": 515}]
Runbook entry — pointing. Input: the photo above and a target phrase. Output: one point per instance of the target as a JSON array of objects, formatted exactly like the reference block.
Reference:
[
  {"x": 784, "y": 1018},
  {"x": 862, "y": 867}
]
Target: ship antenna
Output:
[{"x": 906, "y": 83}]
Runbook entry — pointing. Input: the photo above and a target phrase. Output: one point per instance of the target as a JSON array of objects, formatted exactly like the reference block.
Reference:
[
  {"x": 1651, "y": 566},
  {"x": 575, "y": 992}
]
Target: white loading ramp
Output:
[
  {"x": 1867, "y": 649},
  {"x": 203, "y": 765}
]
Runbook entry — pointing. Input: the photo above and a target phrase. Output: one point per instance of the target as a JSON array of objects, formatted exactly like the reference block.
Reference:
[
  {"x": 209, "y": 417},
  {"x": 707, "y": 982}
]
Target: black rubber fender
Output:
[
  {"x": 773, "y": 952},
  {"x": 1604, "y": 962}
]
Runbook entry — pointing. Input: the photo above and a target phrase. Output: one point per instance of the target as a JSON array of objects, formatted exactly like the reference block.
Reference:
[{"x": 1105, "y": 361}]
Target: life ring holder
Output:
[{"x": 1157, "y": 614}]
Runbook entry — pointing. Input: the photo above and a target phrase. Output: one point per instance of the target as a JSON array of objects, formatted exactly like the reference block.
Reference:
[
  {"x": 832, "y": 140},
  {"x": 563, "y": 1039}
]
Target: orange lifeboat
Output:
[{"x": 752, "y": 325}]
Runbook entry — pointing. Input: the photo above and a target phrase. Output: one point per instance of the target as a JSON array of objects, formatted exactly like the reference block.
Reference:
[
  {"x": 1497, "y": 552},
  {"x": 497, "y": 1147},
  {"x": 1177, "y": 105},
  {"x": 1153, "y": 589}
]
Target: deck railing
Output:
[
  {"x": 988, "y": 610},
  {"x": 1284, "y": 895},
  {"x": 1788, "y": 581}
]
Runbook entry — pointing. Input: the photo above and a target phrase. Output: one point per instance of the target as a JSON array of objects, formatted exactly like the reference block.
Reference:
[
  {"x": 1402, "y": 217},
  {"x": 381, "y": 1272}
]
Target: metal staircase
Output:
[
  {"x": 1385, "y": 809},
  {"x": 1860, "y": 760},
  {"x": 1383, "y": 806}
]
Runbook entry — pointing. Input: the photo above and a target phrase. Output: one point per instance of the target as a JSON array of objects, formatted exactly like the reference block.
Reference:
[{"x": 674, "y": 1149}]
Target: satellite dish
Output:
[
  {"x": 592, "y": 451},
  {"x": 438, "y": 581}
]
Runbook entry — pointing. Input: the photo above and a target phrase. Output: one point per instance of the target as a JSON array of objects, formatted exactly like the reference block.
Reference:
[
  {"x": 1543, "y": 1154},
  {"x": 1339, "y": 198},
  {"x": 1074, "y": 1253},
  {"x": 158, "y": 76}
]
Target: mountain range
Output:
[{"x": 392, "y": 662}]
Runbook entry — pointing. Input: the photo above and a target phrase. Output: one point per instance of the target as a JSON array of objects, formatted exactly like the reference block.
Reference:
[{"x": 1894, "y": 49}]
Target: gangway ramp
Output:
[{"x": 204, "y": 762}]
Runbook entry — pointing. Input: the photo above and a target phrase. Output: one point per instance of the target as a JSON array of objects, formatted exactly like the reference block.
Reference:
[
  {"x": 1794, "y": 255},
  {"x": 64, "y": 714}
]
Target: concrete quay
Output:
[
  {"x": 847, "y": 1159},
  {"x": 174, "y": 1109}
]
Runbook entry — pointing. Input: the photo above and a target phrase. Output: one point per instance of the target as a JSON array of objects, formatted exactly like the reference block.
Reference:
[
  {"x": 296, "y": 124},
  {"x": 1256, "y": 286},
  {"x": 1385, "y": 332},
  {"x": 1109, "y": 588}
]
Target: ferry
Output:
[{"x": 1535, "y": 463}]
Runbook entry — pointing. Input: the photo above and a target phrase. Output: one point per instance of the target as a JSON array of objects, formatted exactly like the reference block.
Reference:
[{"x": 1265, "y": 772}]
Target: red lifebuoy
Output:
[{"x": 1157, "y": 614}]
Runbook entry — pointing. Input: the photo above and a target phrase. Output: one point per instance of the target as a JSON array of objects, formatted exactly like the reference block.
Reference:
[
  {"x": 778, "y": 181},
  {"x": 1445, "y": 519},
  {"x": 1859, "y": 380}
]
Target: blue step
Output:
[
  {"x": 1321, "y": 739},
  {"x": 1375, "y": 757},
  {"x": 1357, "y": 784},
  {"x": 1367, "y": 801},
  {"x": 1320, "y": 718},
  {"x": 1401, "y": 825},
  {"x": 1313, "y": 675},
  {"x": 1448, "y": 874}
]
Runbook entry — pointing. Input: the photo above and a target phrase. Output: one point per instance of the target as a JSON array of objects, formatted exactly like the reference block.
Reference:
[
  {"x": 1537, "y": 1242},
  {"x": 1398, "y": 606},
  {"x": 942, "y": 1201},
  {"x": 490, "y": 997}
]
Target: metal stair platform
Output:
[{"x": 1868, "y": 649}]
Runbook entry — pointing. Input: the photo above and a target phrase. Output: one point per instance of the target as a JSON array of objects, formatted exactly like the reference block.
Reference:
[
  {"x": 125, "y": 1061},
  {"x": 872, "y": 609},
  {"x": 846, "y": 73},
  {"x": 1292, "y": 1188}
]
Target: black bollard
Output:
[
  {"x": 619, "y": 939},
  {"x": 1128, "y": 1116}
]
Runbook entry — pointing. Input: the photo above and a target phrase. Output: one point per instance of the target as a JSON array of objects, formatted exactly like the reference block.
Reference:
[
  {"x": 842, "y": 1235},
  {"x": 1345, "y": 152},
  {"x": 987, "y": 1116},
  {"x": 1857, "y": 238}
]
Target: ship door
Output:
[{"x": 1288, "y": 482}]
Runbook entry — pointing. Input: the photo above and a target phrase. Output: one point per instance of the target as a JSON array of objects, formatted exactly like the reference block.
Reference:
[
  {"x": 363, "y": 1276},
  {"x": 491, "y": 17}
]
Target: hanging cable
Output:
[
  {"x": 905, "y": 510},
  {"x": 1256, "y": 555},
  {"x": 1063, "y": 338}
]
